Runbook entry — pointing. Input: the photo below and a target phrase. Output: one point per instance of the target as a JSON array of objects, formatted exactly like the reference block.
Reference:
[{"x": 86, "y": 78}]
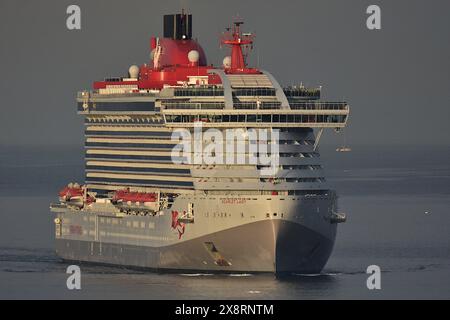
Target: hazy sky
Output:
[{"x": 397, "y": 79}]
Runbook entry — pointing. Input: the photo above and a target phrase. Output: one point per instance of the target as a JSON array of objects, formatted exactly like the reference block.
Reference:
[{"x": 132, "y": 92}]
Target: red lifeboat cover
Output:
[
  {"x": 126, "y": 195},
  {"x": 69, "y": 192}
]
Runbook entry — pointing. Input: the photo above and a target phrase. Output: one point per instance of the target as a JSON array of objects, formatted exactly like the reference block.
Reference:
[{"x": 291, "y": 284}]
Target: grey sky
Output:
[{"x": 396, "y": 79}]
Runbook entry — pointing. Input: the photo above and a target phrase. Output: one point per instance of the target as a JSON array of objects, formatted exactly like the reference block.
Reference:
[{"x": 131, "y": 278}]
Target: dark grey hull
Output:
[{"x": 275, "y": 246}]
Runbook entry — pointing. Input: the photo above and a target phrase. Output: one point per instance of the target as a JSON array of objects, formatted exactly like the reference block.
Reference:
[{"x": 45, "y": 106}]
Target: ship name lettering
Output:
[{"x": 233, "y": 201}]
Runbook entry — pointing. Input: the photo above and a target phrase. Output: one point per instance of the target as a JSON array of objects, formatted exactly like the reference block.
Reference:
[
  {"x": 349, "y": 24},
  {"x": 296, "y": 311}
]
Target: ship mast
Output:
[{"x": 237, "y": 41}]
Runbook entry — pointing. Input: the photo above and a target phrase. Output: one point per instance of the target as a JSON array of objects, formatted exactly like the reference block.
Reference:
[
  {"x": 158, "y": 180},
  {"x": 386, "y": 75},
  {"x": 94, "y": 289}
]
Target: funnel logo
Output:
[{"x": 177, "y": 225}]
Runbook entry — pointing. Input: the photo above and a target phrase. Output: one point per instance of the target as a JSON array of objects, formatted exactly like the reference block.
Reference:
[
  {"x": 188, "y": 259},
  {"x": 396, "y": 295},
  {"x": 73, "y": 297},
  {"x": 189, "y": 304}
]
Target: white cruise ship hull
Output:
[{"x": 280, "y": 235}]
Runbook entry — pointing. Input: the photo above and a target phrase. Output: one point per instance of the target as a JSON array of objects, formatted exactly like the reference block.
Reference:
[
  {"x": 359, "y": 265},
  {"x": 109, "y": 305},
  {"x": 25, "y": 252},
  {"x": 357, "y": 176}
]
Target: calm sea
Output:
[{"x": 396, "y": 198}]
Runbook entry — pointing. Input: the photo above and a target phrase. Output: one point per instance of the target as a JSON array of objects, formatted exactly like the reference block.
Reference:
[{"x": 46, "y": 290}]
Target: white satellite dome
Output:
[
  {"x": 134, "y": 71},
  {"x": 227, "y": 62},
  {"x": 193, "y": 56}
]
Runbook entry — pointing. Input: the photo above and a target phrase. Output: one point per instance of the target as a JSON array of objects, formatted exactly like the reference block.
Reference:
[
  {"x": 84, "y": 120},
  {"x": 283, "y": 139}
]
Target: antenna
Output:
[
  {"x": 257, "y": 57},
  {"x": 240, "y": 44}
]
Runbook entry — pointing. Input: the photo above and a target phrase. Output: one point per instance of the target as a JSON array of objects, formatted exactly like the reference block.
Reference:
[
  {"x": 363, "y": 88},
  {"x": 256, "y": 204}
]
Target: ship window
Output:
[
  {"x": 241, "y": 118},
  {"x": 266, "y": 118},
  {"x": 225, "y": 118},
  {"x": 276, "y": 118},
  {"x": 267, "y": 215},
  {"x": 233, "y": 118},
  {"x": 251, "y": 118}
]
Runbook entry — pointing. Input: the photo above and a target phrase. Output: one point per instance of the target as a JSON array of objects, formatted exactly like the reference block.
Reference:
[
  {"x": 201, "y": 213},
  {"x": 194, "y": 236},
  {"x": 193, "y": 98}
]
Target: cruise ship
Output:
[{"x": 152, "y": 199}]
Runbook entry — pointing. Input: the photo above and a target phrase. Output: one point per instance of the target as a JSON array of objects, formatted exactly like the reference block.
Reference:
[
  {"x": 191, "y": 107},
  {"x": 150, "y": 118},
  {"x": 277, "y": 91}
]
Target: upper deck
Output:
[
  {"x": 179, "y": 87},
  {"x": 184, "y": 106}
]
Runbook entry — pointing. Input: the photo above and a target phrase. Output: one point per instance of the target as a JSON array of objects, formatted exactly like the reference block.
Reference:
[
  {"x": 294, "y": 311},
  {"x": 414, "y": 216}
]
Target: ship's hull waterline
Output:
[{"x": 274, "y": 246}]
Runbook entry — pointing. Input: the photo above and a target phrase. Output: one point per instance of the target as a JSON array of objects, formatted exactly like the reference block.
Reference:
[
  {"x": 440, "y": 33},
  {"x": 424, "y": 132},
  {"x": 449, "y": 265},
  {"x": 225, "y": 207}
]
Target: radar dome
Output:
[
  {"x": 134, "y": 71},
  {"x": 227, "y": 62},
  {"x": 193, "y": 56}
]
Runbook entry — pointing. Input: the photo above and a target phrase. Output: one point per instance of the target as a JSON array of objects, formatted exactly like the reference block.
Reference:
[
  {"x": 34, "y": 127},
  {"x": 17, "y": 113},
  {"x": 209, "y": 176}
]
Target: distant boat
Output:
[{"x": 343, "y": 149}]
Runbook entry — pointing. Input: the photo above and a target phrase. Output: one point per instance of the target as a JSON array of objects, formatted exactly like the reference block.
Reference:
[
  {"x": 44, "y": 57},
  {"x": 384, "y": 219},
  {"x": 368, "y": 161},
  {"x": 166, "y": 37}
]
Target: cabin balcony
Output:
[{"x": 314, "y": 115}]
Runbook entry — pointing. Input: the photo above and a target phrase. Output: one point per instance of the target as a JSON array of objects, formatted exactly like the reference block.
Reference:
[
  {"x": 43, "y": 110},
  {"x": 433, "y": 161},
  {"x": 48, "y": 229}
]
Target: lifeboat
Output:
[
  {"x": 73, "y": 194},
  {"x": 136, "y": 200}
]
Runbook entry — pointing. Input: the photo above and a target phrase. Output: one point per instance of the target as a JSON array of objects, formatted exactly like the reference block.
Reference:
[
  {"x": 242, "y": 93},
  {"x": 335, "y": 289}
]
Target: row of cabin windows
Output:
[
  {"x": 254, "y": 92},
  {"x": 301, "y": 92},
  {"x": 281, "y": 154},
  {"x": 263, "y": 180},
  {"x": 275, "y": 118},
  {"x": 296, "y": 167},
  {"x": 192, "y": 92},
  {"x": 292, "y": 180},
  {"x": 134, "y": 224},
  {"x": 194, "y": 105},
  {"x": 260, "y": 167},
  {"x": 221, "y": 105},
  {"x": 269, "y": 141},
  {"x": 317, "y": 105},
  {"x": 256, "y": 105}
]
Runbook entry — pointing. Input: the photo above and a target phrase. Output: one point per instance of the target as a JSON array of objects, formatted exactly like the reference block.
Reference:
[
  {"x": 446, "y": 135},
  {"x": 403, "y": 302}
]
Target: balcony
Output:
[
  {"x": 321, "y": 115},
  {"x": 312, "y": 105},
  {"x": 301, "y": 92}
]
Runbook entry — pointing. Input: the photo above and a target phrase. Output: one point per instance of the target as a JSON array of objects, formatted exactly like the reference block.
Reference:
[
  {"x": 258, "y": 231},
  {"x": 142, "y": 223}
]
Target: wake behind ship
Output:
[{"x": 142, "y": 206}]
